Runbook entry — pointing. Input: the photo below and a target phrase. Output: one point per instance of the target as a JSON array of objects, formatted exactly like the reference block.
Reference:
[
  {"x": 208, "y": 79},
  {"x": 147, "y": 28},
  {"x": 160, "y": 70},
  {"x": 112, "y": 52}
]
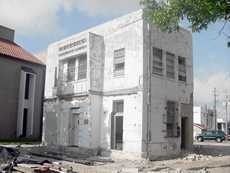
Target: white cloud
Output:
[
  {"x": 107, "y": 7},
  {"x": 203, "y": 88},
  {"x": 41, "y": 16},
  {"x": 29, "y": 15}
]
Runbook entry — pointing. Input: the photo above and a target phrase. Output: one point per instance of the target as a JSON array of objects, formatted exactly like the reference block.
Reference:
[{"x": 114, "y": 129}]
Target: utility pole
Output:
[
  {"x": 226, "y": 109},
  {"x": 215, "y": 116}
]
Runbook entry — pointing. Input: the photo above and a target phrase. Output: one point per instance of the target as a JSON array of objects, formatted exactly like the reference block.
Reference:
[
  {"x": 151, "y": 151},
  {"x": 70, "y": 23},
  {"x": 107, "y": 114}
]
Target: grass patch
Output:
[{"x": 19, "y": 141}]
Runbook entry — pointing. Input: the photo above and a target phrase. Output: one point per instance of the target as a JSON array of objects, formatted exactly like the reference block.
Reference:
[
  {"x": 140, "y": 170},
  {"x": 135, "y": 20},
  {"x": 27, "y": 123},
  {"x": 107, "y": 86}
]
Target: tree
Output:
[{"x": 167, "y": 14}]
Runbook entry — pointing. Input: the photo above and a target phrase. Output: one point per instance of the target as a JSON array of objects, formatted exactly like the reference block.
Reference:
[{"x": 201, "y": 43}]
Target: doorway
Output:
[
  {"x": 117, "y": 132},
  {"x": 24, "y": 125},
  {"x": 184, "y": 124},
  {"x": 75, "y": 123}
]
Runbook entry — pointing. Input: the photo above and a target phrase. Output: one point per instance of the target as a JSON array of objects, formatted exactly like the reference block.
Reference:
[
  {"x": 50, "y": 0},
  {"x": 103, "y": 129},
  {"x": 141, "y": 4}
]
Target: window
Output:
[
  {"x": 82, "y": 67},
  {"x": 118, "y": 106},
  {"x": 170, "y": 65},
  {"x": 182, "y": 69},
  {"x": 171, "y": 119},
  {"x": 27, "y": 86},
  {"x": 157, "y": 61},
  {"x": 119, "y": 62},
  {"x": 71, "y": 70}
]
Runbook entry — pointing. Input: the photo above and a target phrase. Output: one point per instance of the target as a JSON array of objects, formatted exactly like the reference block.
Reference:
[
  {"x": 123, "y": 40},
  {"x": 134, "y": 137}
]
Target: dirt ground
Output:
[{"x": 208, "y": 157}]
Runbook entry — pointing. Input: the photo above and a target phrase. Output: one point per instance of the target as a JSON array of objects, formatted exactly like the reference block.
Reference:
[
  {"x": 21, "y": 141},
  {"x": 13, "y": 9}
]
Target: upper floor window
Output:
[
  {"x": 27, "y": 85},
  {"x": 82, "y": 67},
  {"x": 119, "y": 62},
  {"x": 157, "y": 61},
  {"x": 170, "y": 65},
  {"x": 71, "y": 69},
  {"x": 182, "y": 69}
]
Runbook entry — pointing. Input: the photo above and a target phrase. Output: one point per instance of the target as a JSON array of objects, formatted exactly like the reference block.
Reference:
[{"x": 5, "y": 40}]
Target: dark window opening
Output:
[
  {"x": 27, "y": 86},
  {"x": 24, "y": 127}
]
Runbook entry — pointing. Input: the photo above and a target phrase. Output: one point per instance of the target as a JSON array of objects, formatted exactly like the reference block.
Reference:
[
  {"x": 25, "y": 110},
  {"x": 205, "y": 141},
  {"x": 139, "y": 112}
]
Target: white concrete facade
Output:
[{"x": 89, "y": 102}]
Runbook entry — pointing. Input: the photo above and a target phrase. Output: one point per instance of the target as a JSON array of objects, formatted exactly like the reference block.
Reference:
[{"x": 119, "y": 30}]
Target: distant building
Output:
[
  {"x": 221, "y": 124},
  {"x": 204, "y": 116},
  {"x": 21, "y": 90},
  {"x": 123, "y": 85}
]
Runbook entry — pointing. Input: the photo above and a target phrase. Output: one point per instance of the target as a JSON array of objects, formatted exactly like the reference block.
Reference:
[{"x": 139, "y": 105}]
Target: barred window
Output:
[
  {"x": 182, "y": 69},
  {"x": 82, "y": 67},
  {"x": 71, "y": 70},
  {"x": 170, "y": 65},
  {"x": 171, "y": 119},
  {"x": 157, "y": 61},
  {"x": 119, "y": 62}
]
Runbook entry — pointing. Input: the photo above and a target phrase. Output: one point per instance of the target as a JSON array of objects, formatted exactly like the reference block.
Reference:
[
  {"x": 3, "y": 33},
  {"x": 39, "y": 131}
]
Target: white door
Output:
[{"x": 74, "y": 136}]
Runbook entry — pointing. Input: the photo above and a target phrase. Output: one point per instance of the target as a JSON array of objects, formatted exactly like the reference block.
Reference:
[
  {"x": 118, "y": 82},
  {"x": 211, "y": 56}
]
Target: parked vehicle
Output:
[{"x": 219, "y": 136}]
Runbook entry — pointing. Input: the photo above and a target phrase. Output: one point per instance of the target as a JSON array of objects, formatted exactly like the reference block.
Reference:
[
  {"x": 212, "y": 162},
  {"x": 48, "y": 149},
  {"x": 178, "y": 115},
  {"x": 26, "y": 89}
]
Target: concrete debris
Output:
[
  {"x": 7, "y": 154},
  {"x": 196, "y": 157},
  {"x": 46, "y": 169}
]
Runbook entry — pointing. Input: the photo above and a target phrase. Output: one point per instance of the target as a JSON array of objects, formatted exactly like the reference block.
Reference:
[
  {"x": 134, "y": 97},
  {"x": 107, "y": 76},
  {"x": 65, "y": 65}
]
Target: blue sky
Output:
[{"x": 39, "y": 23}]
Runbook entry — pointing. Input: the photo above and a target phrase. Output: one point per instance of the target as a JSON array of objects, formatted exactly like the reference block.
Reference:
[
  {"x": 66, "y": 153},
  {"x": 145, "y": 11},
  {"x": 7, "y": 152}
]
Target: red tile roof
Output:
[{"x": 12, "y": 50}]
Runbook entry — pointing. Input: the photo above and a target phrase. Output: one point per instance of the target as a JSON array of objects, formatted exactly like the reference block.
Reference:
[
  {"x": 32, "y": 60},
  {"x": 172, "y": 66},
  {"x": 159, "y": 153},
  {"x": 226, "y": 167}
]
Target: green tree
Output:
[{"x": 167, "y": 14}]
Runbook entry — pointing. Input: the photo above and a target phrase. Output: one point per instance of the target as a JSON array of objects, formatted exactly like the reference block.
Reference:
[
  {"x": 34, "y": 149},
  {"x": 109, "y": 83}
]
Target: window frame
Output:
[
  {"x": 157, "y": 61},
  {"x": 171, "y": 122},
  {"x": 82, "y": 68},
  {"x": 71, "y": 74},
  {"x": 119, "y": 60},
  {"x": 170, "y": 57},
  {"x": 182, "y": 72},
  {"x": 116, "y": 106}
]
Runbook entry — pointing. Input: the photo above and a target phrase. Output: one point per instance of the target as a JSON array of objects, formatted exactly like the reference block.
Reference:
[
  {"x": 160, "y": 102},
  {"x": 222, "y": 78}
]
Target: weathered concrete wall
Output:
[
  {"x": 163, "y": 89},
  {"x": 96, "y": 61},
  {"x": 64, "y": 128},
  {"x": 10, "y": 71},
  {"x": 107, "y": 29},
  {"x": 132, "y": 122}
]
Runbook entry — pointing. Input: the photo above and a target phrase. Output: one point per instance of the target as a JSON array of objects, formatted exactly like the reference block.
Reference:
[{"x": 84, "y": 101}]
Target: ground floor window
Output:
[{"x": 171, "y": 120}]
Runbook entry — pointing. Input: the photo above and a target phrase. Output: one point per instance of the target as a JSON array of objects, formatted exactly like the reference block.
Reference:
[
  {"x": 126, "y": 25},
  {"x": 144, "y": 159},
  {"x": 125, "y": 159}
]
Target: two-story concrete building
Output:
[
  {"x": 22, "y": 81},
  {"x": 123, "y": 85}
]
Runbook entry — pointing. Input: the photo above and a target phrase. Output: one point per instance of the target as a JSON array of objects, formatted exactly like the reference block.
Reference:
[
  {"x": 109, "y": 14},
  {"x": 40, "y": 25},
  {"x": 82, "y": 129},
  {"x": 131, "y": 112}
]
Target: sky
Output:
[{"x": 40, "y": 22}]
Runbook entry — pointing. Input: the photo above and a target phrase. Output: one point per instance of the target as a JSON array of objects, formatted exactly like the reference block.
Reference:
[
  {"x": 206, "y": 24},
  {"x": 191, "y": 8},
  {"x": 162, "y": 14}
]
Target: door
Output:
[
  {"x": 24, "y": 125},
  {"x": 183, "y": 132},
  {"x": 117, "y": 132},
  {"x": 75, "y": 123}
]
